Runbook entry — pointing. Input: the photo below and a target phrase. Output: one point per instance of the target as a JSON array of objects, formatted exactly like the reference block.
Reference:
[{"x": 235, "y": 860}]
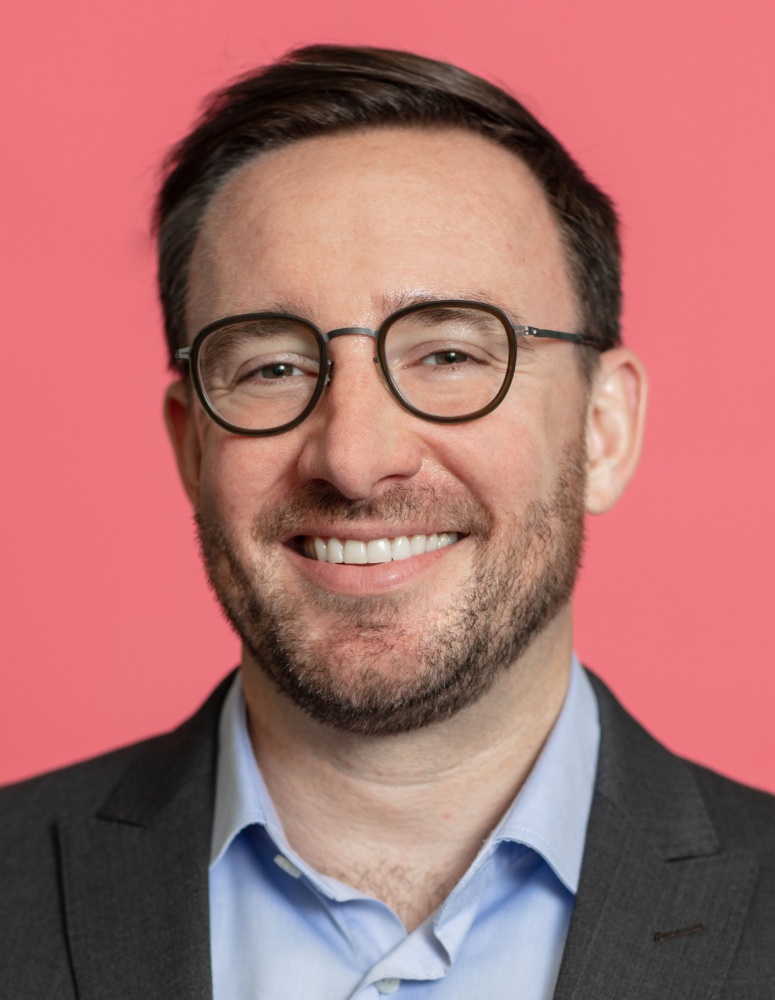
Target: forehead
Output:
[{"x": 360, "y": 220}]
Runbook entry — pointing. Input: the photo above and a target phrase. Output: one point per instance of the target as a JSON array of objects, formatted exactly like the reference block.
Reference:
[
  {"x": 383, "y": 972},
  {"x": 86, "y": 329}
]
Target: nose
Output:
[{"x": 358, "y": 437}]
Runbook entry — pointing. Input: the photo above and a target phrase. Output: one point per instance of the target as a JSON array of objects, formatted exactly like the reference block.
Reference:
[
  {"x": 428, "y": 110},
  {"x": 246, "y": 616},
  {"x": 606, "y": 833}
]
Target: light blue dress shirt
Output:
[{"x": 280, "y": 930}]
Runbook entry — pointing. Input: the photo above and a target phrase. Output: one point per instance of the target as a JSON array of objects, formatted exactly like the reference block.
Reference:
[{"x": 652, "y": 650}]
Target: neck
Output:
[{"x": 414, "y": 807}]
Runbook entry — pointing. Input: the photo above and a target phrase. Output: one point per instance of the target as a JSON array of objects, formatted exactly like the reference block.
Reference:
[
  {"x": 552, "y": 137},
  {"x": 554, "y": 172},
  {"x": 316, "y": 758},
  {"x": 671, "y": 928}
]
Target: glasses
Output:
[{"x": 446, "y": 361}]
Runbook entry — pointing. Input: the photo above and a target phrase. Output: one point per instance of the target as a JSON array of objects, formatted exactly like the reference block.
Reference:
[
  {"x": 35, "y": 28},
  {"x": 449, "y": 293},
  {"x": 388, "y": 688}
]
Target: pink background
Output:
[{"x": 108, "y": 629}]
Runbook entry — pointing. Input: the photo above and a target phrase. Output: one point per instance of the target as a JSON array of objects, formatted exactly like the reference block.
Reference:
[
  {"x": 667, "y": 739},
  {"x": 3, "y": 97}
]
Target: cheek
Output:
[
  {"x": 503, "y": 470},
  {"x": 239, "y": 477},
  {"x": 516, "y": 455}
]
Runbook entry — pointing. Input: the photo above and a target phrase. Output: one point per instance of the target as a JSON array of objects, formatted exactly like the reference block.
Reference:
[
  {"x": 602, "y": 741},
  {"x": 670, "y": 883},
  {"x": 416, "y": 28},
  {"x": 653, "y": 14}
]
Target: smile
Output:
[{"x": 353, "y": 552}]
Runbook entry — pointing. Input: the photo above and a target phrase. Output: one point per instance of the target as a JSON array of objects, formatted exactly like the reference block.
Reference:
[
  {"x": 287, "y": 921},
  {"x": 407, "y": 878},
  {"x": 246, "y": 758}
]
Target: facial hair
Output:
[{"x": 379, "y": 670}]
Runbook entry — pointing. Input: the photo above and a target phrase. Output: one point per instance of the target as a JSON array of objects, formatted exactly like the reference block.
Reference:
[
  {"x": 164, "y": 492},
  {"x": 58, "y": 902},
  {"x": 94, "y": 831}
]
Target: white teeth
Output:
[
  {"x": 417, "y": 544},
  {"x": 355, "y": 553},
  {"x": 335, "y": 552},
  {"x": 401, "y": 548},
  {"x": 378, "y": 550}
]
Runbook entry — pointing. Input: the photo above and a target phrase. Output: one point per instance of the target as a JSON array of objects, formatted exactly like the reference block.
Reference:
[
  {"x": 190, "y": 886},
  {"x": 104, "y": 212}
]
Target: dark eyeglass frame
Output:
[{"x": 189, "y": 356}]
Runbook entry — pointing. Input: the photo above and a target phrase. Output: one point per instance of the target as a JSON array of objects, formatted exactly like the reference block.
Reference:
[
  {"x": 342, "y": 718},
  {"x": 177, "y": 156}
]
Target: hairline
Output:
[{"x": 206, "y": 194}]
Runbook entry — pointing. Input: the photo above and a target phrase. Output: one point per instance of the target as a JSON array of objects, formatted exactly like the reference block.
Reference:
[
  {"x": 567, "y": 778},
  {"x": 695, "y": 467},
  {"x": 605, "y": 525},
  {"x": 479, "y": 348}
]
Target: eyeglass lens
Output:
[
  {"x": 445, "y": 361},
  {"x": 261, "y": 373}
]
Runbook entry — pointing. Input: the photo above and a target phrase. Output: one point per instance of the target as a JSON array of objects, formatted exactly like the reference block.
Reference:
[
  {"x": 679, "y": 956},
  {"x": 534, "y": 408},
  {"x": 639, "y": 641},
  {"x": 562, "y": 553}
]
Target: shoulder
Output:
[
  {"x": 677, "y": 884},
  {"x": 82, "y": 789},
  {"x": 646, "y": 779},
  {"x": 78, "y": 788},
  {"x": 81, "y": 843},
  {"x": 744, "y": 816}
]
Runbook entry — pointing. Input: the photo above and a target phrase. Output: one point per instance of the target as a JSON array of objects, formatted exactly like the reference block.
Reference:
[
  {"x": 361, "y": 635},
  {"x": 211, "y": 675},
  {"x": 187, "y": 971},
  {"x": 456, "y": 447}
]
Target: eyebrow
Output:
[
  {"x": 291, "y": 306},
  {"x": 390, "y": 302}
]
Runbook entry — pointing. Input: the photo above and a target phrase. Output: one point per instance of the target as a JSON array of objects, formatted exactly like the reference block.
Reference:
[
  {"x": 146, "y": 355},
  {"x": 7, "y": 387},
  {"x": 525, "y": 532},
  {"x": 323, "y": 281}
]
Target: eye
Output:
[
  {"x": 278, "y": 370},
  {"x": 261, "y": 372},
  {"x": 446, "y": 358}
]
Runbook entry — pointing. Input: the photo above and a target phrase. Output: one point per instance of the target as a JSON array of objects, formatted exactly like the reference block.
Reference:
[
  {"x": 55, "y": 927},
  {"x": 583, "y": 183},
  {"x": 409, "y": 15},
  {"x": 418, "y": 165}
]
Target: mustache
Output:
[{"x": 398, "y": 505}]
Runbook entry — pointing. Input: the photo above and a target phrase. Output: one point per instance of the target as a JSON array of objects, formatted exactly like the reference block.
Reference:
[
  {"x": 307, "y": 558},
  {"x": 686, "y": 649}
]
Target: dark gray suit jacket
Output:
[{"x": 103, "y": 876}]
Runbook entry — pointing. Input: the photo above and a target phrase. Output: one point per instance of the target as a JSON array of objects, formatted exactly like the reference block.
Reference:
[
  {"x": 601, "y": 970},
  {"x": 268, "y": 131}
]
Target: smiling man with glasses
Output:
[{"x": 391, "y": 300}]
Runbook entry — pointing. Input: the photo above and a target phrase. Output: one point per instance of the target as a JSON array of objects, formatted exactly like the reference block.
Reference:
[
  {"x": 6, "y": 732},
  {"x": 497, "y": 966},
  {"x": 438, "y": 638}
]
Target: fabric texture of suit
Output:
[{"x": 103, "y": 876}]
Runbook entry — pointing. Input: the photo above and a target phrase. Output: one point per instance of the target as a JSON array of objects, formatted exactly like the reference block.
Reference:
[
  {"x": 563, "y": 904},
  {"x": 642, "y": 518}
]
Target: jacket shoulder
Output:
[
  {"x": 678, "y": 877},
  {"x": 671, "y": 795},
  {"x": 79, "y": 819},
  {"x": 77, "y": 788},
  {"x": 82, "y": 788},
  {"x": 743, "y": 815}
]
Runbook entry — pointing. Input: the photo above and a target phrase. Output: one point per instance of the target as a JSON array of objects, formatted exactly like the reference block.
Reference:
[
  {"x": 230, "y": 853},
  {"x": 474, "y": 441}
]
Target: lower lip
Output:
[{"x": 374, "y": 578}]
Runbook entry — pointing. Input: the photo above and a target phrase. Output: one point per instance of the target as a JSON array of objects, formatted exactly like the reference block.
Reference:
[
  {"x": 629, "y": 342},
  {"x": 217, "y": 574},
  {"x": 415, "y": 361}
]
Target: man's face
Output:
[{"x": 343, "y": 230}]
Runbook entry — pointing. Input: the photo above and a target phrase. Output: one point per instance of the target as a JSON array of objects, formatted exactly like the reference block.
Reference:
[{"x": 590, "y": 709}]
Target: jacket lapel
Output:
[
  {"x": 135, "y": 875},
  {"x": 661, "y": 904}
]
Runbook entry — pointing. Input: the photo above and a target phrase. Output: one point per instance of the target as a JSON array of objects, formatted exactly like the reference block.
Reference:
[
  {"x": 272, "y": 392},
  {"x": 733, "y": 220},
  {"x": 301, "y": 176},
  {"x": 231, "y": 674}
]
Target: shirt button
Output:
[
  {"x": 287, "y": 865},
  {"x": 387, "y": 985}
]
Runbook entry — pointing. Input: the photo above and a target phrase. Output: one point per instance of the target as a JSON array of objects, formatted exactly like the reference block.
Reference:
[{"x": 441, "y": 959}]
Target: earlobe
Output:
[
  {"x": 615, "y": 422},
  {"x": 180, "y": 420}
]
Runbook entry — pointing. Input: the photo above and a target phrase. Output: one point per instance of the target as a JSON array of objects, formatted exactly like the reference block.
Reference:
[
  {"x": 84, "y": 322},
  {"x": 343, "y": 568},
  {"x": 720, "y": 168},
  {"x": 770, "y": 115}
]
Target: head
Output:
[{"x": 338, "y": 185}]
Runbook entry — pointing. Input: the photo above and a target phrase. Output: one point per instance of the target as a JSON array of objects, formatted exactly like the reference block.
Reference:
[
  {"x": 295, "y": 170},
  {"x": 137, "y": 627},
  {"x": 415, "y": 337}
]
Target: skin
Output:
[{"x": 338, "y": 229}]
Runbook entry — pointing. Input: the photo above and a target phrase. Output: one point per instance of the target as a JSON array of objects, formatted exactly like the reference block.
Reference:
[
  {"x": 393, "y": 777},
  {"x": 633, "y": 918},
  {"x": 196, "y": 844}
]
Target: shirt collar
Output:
[
  {"x": 549, "y": 814},
  {"x": 241, "y": 796},
  {"x": 551, "y": 811}
]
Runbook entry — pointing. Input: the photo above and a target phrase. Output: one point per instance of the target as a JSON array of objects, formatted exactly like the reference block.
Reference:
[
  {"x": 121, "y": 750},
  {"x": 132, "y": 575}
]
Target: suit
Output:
[{"x": 104, "y": 882}]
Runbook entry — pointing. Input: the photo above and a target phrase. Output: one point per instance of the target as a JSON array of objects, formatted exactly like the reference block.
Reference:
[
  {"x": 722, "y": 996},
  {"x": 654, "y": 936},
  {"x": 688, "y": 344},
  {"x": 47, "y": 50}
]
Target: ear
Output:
[
  {"x": 615, "y": 419},
  {"x": 180, "y": 418}
]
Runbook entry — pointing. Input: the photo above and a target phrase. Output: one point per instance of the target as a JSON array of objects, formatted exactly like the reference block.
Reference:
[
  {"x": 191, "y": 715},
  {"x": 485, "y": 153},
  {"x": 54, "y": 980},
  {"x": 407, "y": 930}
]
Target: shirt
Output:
[{"x": 281, "y": 929}]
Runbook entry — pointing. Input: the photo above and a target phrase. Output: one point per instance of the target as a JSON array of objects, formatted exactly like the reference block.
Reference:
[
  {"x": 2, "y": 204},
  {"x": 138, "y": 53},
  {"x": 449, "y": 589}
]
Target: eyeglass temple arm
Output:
[
  {"x": 571, "y": 338},
  {"x": 182, "y": 358}
]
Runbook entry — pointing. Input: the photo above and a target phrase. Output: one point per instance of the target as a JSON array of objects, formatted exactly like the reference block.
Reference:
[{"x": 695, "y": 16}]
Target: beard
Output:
[{"x": 386, "y": 664}]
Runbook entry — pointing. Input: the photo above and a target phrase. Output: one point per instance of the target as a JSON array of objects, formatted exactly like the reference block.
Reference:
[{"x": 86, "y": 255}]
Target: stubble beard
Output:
[{"x": 380, "y": 670}]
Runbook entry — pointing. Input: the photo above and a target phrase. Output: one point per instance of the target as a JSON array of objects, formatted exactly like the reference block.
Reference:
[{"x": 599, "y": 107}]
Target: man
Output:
[{"x": 392, "y": 301}]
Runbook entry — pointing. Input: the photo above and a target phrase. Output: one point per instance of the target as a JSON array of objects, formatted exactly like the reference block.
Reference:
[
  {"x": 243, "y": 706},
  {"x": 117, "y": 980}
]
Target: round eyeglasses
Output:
[{"x": 446, "y": 361}]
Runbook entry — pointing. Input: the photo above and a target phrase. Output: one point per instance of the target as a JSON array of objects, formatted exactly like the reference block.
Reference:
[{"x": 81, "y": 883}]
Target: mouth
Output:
[{"x": 358, "y": 552}]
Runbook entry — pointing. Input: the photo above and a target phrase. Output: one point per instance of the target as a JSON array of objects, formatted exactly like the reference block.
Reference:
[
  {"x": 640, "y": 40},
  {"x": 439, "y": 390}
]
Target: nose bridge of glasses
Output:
[{"x": 348, "y": 331}]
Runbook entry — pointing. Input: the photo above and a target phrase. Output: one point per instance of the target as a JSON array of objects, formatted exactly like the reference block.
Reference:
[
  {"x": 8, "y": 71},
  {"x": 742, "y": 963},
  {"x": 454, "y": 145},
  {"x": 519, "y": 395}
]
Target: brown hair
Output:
[{"x": 324, "y": 89}]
